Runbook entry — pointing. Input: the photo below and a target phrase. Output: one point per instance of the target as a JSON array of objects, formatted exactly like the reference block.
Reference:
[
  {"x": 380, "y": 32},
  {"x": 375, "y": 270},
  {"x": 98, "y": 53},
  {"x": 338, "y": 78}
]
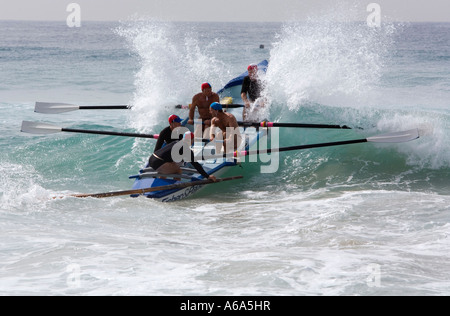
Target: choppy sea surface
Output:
[{"x": 365, "y": 219}]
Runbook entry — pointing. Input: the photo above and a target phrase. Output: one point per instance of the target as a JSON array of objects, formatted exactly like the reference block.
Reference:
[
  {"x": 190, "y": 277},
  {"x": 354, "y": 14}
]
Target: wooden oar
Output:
[
  {"x": 55, "y": 108},
  {"x": 397, "y": 137},
  {"x": 160, "y": 188},
  {"x": 300, "y": 125},
  {"x": 43, "y": 128}
]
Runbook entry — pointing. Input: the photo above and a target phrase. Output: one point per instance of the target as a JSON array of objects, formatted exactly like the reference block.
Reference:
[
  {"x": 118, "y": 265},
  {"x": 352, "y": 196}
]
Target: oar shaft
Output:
[
  {"x": 302, "y": 125},
  {"x": 43, "y": 128},
  {"x": 56, "y": 108},
  {"x": 73, "y": 130},
  {"x": 155, "y": 136},
  {"x": 310, "y": 146},
  {"x": 233, "y": 106},
  {"x": 229, "y": 106},
  {"x": 104, "y": 107},
  {"x": 282, "y": 149},
  {"x": 397, "y": 137},
  {"x": 299, "y": 125}
]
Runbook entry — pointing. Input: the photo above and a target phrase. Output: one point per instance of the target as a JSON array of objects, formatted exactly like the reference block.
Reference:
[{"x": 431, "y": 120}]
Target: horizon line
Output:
[{"x": 189, "y": 21}]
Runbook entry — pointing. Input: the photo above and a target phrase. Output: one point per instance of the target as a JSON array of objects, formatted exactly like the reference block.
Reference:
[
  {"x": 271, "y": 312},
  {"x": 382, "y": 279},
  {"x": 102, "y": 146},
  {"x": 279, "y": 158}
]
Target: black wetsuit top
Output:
[
  {"x": 252, "y": 87},
  {"x": 163, "y": 155},
  {"x": 165, "y": 137}
]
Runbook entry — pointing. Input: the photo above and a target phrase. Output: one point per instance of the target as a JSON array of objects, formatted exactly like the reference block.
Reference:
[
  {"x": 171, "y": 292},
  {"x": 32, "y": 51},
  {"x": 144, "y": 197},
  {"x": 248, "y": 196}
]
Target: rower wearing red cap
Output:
[
  {"x": 165, "y": 137},
  {"x": 202, "y": 101}
]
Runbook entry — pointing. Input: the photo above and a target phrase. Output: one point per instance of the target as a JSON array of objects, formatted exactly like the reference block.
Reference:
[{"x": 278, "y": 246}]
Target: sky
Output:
[{"x": 218, "y": 10}]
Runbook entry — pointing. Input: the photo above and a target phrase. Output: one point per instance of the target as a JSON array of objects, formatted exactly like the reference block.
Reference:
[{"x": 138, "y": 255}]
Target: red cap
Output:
[
  {"x": 205, "y": 85},
  {"x": 252, "y": 66},
  {"x": 174, "y": 118}
]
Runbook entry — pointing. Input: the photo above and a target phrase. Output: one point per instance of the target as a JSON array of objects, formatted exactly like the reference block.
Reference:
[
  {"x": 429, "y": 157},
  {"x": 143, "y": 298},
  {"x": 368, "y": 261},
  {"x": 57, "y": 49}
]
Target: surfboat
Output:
[{"x": 219, "y": 167}]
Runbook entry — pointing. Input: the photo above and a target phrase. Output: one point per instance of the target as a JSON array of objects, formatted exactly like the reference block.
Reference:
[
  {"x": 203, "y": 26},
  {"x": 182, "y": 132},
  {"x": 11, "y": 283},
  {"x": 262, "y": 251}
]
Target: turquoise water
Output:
[{"x": 366, "y": 219}]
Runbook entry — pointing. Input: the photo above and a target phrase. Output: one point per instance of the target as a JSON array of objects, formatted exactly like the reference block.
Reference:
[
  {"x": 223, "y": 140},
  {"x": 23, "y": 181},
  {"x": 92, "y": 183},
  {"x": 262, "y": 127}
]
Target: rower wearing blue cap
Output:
[{"x": 228, "y": 125}]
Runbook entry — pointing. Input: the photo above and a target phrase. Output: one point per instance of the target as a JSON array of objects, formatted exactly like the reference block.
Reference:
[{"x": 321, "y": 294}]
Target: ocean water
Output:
[{"x": 366, "y": 219}]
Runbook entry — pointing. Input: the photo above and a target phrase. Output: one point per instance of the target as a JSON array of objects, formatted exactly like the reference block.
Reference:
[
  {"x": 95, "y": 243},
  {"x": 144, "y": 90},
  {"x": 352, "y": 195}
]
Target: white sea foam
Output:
[{"x": 20, "y": 188}]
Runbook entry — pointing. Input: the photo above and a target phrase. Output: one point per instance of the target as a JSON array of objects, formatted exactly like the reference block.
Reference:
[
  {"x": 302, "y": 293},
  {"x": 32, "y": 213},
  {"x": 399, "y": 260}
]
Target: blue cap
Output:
[{"x": 216, "y": 106}]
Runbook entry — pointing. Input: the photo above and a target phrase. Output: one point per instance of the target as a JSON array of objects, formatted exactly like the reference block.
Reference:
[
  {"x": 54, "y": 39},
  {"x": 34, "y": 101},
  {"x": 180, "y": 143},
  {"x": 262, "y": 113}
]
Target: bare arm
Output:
[
  {"x": 192, "y": 111},
  {"x": 246, "y": 105},
  {"x": 233, "y": 122},
  {"x": 245, "y": 99},
  {"x": 212, "y": 129}
]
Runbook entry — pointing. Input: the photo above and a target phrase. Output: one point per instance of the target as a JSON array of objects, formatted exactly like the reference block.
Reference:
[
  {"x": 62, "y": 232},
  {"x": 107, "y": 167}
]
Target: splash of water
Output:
[
  {"x": 333, "y": 69},
  {"x": 19, "y": 188},
  {"x": 327, "y": 58},
  {"x": 173, "y": 65}
]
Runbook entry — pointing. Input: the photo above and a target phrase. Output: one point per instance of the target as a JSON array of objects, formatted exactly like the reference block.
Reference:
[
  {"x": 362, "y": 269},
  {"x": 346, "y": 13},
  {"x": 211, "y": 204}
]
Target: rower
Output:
[
  {"x": 228, "y": 126},
  {"x": 251, "y": 93},
  {"x": 202, "y": 101},
  {"x": 166, "y": 137},
  {"x": 168, "y": 159}
]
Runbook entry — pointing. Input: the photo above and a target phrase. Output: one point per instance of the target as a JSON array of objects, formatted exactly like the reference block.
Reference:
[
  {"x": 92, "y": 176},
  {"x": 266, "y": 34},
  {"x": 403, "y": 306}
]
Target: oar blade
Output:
[
  {"x": 397, "y": 137},
  {"x": 39, "y": 128},
  {"x": 54, "y": 108}
]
